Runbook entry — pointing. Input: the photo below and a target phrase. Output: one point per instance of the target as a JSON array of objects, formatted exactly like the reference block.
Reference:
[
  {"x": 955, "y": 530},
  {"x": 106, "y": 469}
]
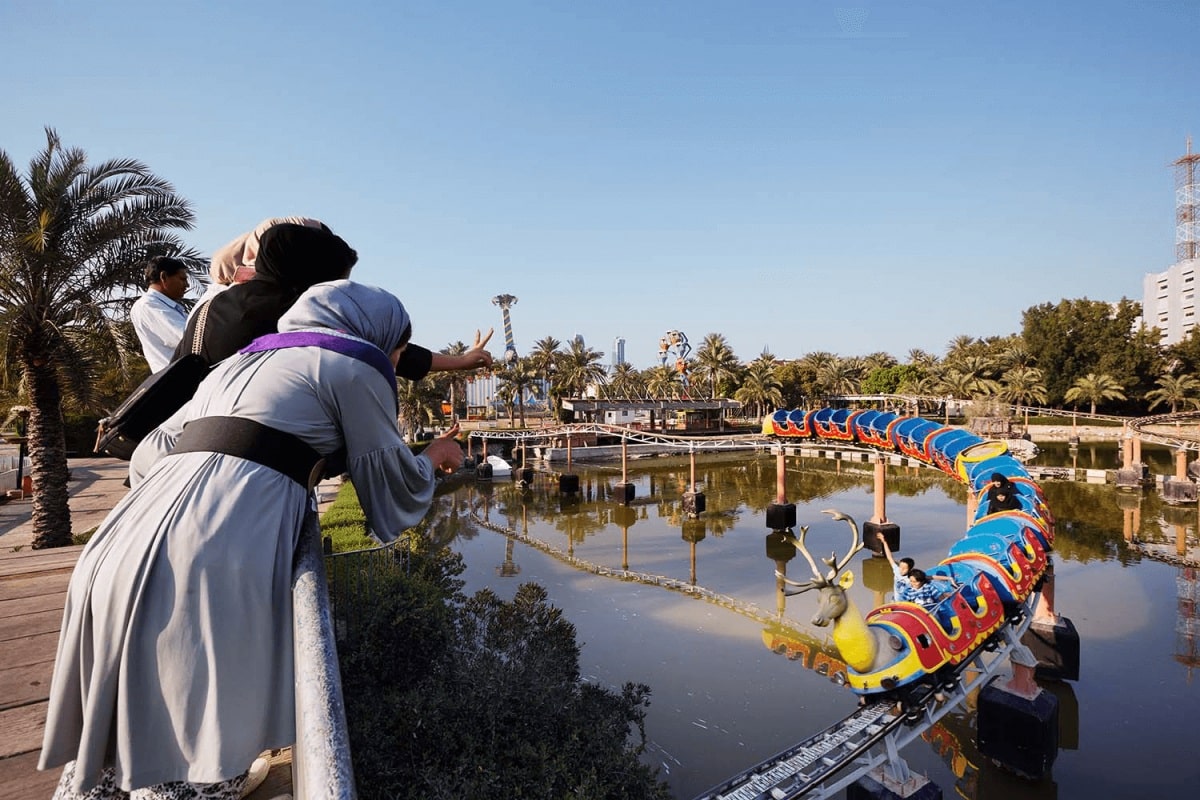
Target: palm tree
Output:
[
  {"x": 921, "y": 358},
  {"x": 1175, "y": 390},
  {"x": 625, "y": 382},
  {"x": 545, "y": 355},
  {"x": 416, "y": 401},
  {"x": 1093, "y": 388},
  {"x": 579, "y": 367},
  {"x": 878, "y": 360},
  {"x": 71, "y": 239},
  {"x": 456, "y": 380},
  {"x": 716, "y": 362},
  {"x": 515, "y": 380},
  {"x": 759, "y": 387},
  {"x": 841, "y": 376},
  {"x": 662, "y": 382},
  {"x": 1023, "y": 385}
]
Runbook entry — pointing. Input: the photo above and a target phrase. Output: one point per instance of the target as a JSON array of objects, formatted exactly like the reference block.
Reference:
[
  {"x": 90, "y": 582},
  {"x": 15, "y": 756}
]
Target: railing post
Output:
[{"x": 321, "y": 766}]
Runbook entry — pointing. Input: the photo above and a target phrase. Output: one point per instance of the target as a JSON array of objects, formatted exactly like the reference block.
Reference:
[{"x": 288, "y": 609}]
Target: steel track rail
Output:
[{"x": 832, "y": 759}]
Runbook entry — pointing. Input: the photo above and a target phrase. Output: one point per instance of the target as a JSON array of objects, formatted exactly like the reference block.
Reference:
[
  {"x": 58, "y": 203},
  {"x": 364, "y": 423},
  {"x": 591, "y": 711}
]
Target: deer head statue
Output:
[{"x": 858, "y": 644}]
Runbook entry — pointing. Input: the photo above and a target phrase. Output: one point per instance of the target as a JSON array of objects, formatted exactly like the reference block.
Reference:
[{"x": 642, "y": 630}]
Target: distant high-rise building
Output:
[
  {"x": 1169, "y": 298},
  {"x": 618, "y": 351}
]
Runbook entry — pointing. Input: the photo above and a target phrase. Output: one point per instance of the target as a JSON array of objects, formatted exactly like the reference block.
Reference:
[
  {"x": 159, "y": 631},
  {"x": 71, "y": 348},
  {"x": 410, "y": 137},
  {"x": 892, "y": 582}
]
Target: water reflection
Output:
[{"x": 738, "y": 673}]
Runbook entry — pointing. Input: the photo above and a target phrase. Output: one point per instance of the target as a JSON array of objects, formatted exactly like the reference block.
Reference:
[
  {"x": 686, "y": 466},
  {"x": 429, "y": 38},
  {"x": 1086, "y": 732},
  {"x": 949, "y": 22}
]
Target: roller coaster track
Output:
[
  {"x": 1185, "y": 439},
  {"x": 827, "y": 762}
]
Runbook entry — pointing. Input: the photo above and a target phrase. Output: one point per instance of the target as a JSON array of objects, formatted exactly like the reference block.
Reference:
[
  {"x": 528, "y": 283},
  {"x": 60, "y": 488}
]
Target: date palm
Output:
[
  {"x": 579, "y": 367},
  {"x": 1093, "y": 388},
  {"x": 759, "y": 388},
  {"x": 545, "y": 355},
  {"x": 417, "y": 400},
  {"x": 456, "y": 380},
  {"x": 841, "y": 376},
  {"x": 1175, "y": 390},
  {"x": 715, "y": 362},
  {"x": 71, "y": 240},
  {"x": 663, "y": 382},
  {"x": 1023, "y": 385},
  {"x": 625, "y": 383},
  {"x": 515, "y": 381}
]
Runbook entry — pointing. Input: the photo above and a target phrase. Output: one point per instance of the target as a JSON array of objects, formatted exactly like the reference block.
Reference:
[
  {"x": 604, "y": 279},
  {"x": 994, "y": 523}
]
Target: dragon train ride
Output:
[{"x": 994, "y": 568}]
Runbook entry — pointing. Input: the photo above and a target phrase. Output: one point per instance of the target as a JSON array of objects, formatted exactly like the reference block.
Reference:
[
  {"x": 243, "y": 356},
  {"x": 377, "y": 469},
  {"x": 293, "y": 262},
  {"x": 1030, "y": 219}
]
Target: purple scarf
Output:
[{"x": 355, "y": 348}]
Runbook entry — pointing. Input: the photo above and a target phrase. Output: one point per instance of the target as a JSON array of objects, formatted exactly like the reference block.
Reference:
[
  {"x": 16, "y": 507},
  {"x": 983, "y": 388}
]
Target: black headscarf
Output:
[
  {"x": 291, "y": 258},
  {"x": 297, "y": 257}
]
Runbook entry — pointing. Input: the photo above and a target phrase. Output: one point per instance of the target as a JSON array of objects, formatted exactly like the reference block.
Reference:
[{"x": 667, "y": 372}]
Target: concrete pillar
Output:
[
  {"x": 781, "y": 515},
  {"x": 1017, "y": 722},
  {"x": 1052, "y": 638},
  {"x": 879, "y": 521}
]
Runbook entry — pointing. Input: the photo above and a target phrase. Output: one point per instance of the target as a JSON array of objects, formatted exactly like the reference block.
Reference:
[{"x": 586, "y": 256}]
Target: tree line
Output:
[{"x": 73, "y": 233}]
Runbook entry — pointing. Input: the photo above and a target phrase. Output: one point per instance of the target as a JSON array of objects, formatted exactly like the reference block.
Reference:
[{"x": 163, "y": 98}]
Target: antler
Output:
[
  {"x": 800, "y": 587},
  {"x": 799, "y": 545},
  {"x": 856, "y": 544}
]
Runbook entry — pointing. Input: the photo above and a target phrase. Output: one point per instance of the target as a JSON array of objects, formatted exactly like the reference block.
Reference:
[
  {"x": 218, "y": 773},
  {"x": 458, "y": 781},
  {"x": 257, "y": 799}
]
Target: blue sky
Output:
[{"x": 849, "y": 176}]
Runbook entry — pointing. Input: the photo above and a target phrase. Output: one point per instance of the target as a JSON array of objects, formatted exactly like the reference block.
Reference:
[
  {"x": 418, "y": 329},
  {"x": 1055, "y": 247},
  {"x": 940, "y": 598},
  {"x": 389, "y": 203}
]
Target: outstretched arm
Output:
[
  {"x": 475, "y": 357},
  {"x": 887, "y": 551}
]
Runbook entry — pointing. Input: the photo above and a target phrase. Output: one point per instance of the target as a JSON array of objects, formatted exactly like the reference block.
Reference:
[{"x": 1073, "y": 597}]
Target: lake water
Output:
[{"x": 737, "y": 675}]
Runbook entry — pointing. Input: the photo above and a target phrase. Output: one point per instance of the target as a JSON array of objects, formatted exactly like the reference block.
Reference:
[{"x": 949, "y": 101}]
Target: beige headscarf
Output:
[{"x": 243, "y": 251}]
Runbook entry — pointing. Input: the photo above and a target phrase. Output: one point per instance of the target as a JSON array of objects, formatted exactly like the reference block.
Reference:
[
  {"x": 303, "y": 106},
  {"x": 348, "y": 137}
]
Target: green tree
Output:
[
  {"x": 1175, "y": 390},
  {"x": 888, "y": 380},
  {"x": 715, "y": 363},
  {"x": 841, "y": 376},
  {"x": 455, "y": 381},
  {"x": 1079, "y": 337},
  {"x": 1024, "y": 385},
  {"x": 545, "y": 356},
  {"x": 663, "y": 382},
  {"x": 759, "y": 388},
  {"x": 449, "y": 696},
  {"x": 579, "y": 367},
  {"x": 515, "y": 381},
  {"x": 626, "y": 382},
  {"x": 71, "y": 240},
  {"x": 1093, "y": 389},
  {"x": 420, "y": 402}
]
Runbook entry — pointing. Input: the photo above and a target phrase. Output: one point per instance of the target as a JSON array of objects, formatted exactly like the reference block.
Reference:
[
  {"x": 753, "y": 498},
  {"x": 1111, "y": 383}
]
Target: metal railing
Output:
[
  {"x": 321, "y": 766},
  {"x": 329, "y": 593}
]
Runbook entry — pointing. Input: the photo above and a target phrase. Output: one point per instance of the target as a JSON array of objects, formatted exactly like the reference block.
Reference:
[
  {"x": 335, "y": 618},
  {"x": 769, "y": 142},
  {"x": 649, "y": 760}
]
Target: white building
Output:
[{"x": 1169, "y": 301}]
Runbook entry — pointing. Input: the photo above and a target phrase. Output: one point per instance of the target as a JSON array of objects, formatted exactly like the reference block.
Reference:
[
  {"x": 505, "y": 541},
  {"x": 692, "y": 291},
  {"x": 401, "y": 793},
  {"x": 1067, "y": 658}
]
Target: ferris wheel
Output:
[{"x": 674, "y": 344}]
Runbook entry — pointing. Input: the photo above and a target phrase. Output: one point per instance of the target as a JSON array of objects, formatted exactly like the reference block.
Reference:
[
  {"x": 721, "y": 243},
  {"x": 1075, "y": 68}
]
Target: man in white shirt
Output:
[{"x": 158, "y": 316}]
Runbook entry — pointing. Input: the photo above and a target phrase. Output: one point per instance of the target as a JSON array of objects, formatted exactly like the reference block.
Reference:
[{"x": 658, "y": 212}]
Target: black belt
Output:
[{"x": 253, "y": 441}]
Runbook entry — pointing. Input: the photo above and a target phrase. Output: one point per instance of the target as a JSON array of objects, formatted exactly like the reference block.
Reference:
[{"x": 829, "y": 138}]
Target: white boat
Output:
[{"x": 500, "y": 467}]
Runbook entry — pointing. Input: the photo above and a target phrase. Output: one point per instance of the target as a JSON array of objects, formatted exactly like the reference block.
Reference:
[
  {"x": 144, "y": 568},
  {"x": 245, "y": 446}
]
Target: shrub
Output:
[{"x": 450, "y": 697}]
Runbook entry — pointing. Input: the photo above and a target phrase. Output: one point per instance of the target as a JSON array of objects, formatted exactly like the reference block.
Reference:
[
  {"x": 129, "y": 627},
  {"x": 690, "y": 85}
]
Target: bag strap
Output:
[{"x": 198, "y": 332}]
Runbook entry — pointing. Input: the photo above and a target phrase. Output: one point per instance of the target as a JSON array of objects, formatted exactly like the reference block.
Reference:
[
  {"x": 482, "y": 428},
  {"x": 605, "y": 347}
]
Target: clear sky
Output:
[{"x": 849, "y": 176}]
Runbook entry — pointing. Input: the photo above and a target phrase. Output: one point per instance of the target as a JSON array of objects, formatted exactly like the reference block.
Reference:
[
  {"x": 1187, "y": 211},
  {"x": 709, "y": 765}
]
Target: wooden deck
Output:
[{"x": 33, "y": 586}]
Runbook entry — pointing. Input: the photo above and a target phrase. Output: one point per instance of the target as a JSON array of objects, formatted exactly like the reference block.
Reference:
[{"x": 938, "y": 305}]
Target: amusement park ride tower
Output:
[{"x": 505, "y": 301}]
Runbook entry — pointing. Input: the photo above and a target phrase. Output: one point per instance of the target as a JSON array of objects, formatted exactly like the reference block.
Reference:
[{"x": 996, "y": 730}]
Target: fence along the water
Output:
[{"x": 329, "y": 593}]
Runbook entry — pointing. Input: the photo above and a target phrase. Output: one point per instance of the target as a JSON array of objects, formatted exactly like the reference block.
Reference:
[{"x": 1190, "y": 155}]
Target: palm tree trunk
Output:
[{"x": 48, "y": 453}]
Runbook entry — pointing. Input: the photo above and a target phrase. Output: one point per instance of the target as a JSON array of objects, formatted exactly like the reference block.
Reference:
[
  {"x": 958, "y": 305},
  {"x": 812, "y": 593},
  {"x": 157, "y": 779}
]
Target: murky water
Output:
[{"x": 738, "y": 674}]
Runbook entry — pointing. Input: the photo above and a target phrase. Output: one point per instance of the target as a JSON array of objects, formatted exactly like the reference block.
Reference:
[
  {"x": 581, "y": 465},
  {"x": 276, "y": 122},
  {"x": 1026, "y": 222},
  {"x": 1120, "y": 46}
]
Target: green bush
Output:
[{"x": 455, "y": 697}]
